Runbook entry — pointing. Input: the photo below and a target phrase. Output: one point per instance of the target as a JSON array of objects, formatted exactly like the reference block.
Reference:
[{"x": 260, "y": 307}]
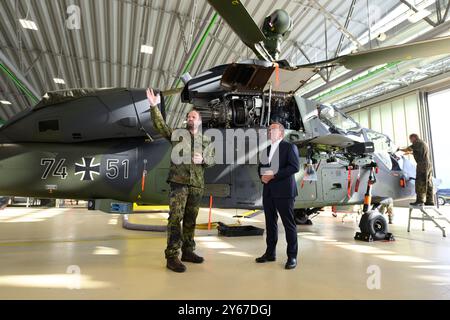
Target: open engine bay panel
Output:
[{"x": 245, "y": 110}]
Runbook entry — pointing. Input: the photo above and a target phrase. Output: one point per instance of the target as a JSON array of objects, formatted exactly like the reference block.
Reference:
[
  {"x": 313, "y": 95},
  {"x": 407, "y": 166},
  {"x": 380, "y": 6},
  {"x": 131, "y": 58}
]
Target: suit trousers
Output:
[{"x": 285, "y": 207}]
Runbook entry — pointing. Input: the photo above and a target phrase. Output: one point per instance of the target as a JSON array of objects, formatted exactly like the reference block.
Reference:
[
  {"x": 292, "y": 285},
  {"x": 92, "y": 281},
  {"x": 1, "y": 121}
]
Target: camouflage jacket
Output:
[
  {"x": 187, "y": 172},
  {"x": 421, "y": 154}
]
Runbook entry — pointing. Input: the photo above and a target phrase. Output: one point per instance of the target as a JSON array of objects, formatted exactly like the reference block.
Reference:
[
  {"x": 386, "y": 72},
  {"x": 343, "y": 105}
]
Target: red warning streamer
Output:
[
  {"x": 349, "y": 182},
  {"x": 210, "y": 209},
  {"x": 144, "y": 175},
  {"x": 277, "y": 75}
]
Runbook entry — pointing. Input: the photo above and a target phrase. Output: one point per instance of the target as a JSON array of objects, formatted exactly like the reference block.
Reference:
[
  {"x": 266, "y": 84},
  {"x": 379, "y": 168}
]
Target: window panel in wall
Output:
[
  {"x": 375, "y": 119},
  {"x": 364, "y": 118},
  {"x": 412, "y": 115},
  {"x": 439, "y": 115},
  {"x": 386, "y": 120},
  {"x": 355, "y": 116},
  {"x": 398, "y": 114}
]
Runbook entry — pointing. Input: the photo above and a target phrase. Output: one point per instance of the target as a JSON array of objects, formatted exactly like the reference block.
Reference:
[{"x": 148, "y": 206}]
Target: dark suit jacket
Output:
[{"x": 283, "y": 185}]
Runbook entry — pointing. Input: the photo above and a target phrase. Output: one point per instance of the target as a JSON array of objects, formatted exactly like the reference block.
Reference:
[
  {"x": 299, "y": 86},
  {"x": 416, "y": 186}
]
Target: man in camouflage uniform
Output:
[
  {"x": 387, "y": 207},
  {"x": 424, "y": 172},
  {"x": 186, "y": 179}
]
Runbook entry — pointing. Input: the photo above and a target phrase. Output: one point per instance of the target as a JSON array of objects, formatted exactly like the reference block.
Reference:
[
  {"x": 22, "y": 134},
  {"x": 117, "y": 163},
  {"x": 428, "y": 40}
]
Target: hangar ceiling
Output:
[{"x": 52, "y": 45}]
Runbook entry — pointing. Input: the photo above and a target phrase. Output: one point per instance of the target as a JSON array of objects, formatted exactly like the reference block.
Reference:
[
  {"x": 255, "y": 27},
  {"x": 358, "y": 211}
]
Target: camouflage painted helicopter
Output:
[{"x": 101, "y": 144}]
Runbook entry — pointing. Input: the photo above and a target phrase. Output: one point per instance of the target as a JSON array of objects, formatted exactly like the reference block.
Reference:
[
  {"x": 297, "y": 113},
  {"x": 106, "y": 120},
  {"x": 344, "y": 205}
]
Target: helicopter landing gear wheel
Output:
[
  {"x": 91, "y": 204},
  {"x": 373, "y": 227},
  {"x": 301, "y": 217}
]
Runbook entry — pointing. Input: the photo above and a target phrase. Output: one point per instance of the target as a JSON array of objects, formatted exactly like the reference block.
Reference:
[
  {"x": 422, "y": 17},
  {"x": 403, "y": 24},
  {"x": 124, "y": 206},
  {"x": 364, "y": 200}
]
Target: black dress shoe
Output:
[
  {"x": 191, "y": 257},
  {"x": 417, "y": 203},
  {"x": 291, "y": 263},
  {"x": 431, "y": 204},
  {"x": 175, "y": 265},
  {"x": 265, "y": 258}
]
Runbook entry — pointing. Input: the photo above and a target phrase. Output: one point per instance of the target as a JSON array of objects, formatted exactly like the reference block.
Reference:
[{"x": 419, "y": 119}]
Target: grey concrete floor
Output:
[{"x": 74, "y": 253}]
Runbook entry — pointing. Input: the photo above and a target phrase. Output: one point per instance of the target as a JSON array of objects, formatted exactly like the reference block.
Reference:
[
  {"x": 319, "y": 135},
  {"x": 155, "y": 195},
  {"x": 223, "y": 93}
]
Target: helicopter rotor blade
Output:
[
  {"x": 371, "y": 58},
  {"x": 240, "y": 21},
  {"x": 408, "y": 51}
]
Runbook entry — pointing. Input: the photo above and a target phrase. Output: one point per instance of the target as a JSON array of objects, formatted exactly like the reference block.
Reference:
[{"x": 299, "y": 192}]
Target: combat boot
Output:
[
  {"x": 191, "y": 257},
  {"x": 175, "y": 265}
]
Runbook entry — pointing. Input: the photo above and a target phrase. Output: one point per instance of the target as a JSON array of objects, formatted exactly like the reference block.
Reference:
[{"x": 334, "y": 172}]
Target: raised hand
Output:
[{"x": 152, "y": 98}]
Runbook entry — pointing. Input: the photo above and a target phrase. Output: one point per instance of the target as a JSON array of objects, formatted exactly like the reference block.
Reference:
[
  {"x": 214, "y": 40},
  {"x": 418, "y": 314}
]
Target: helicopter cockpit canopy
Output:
[
  {"x": 80, "y": 115},
  {"x": 59, "y": 97},
  {"x": 337, "y": 120},
  {"x": 381, "y": 141}
]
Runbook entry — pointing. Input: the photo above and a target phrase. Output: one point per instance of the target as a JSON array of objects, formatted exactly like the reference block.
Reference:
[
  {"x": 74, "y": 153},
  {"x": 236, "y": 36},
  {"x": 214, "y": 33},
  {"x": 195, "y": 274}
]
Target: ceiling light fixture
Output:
[
  {"x": 382, "y": 36},
  {"x": 5, "y": 102},
  {"x": 28, "y": 24},
  {"x": 146, "y": 49},
  {"x": 59, "y": 81}
]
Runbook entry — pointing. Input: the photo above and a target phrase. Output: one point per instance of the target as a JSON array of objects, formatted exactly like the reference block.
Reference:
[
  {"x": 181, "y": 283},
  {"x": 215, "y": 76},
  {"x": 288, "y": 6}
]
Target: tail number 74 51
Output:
[{"x": 55, "y": 168}]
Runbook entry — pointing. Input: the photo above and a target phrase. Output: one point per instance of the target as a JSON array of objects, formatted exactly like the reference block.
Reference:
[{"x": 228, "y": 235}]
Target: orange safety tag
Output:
[
  {"x": 277, "y": 75},
  {"x": 367, "y": 200},
  {"x": 144, "y": 174},
  {"x": 403, "y": 182},
  {"x": 349, "y": 182},
  {"x": 210, "y": 211}
]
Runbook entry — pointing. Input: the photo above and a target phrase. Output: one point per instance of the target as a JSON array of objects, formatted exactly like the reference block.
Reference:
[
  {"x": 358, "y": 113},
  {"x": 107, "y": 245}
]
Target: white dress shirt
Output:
[{"x": 273, "y": 148}]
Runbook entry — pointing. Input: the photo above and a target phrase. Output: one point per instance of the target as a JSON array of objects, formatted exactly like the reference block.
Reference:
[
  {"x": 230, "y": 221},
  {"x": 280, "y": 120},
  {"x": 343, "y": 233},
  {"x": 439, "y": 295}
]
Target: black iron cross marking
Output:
[{"x": 87, "y": 169}]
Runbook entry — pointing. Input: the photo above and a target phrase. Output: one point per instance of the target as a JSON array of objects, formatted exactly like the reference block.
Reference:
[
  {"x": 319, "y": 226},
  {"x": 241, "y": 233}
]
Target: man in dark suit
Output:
[{"x": 280, "y": 190}]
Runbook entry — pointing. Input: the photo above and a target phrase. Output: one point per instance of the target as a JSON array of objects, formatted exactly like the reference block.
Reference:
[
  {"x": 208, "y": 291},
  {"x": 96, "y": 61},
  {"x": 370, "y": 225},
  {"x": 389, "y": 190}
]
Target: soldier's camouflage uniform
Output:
[
  {"x": 186, "y": 187},
  {"x": 424, "y": 172}
]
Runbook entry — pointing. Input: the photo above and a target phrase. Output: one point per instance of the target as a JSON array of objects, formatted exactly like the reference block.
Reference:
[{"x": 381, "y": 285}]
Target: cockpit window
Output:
[
  {"x": 48, "y": 125},
  {"x": 381, "y": 142},
  {"x": 337, "y": 119}
]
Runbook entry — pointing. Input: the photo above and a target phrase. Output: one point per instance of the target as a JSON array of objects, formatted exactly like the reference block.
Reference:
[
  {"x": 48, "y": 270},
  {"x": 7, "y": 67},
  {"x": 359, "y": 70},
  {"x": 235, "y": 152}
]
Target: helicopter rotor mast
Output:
[{"x": 265, "y": 42}]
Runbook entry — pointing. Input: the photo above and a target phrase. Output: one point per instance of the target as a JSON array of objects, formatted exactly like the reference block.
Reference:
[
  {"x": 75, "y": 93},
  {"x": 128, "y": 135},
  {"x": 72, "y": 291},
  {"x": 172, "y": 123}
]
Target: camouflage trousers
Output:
[
  {"x": 387, "y": 207},
  {"x": 424, "y": 184},
  {"x": 184, "y": 205}
]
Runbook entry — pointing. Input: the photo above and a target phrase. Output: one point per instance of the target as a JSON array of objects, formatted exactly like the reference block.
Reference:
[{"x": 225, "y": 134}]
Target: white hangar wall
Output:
[{"x": 397, "y": 117}]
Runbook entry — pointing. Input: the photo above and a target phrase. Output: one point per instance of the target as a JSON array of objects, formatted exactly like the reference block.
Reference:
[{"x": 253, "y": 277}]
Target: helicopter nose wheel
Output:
[
  {"x": 372, "y": 224},
  {"x": 91, "y": 204},
  {"x": 373, "y": 227}
]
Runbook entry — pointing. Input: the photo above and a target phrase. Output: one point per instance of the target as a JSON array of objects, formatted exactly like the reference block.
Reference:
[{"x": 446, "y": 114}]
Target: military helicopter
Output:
[{"x": 101, "y": 144}]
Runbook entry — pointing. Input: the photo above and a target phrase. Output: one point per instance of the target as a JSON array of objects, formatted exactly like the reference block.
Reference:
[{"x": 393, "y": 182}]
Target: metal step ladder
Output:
[{"x": 429, "y": 213}]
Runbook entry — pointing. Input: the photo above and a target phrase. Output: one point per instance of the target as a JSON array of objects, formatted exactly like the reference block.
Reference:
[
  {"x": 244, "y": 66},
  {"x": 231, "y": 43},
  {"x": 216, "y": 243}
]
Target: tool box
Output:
[{"x": 238, "y": 230}]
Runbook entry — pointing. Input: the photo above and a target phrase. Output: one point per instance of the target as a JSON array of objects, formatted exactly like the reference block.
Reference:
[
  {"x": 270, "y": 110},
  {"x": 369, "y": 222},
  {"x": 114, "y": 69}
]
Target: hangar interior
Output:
[{"x": 60, "y": 250}]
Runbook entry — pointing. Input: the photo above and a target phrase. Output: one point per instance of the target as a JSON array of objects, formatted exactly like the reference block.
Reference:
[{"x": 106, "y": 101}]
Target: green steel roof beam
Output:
[
  {"x": 196, "y": 52},
  {"x": 18, "y": 83}
]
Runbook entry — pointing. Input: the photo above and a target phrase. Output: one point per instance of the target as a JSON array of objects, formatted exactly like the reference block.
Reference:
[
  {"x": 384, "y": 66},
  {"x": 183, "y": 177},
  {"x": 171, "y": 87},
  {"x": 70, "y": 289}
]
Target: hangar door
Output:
[
  {"x": 397, "y": 118},
  {"x": 439, "y": 107}
]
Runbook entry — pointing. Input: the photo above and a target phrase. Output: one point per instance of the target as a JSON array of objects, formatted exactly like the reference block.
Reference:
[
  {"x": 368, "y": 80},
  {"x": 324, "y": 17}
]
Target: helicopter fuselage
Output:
[
  {"x": 101, "y": 144},
  {"x": 135, "y": 170}
]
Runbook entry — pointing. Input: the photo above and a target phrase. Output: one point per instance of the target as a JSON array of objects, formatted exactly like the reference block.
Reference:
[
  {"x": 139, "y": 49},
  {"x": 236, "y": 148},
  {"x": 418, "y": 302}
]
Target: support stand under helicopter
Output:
[{"x": 373, "y": 225}]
